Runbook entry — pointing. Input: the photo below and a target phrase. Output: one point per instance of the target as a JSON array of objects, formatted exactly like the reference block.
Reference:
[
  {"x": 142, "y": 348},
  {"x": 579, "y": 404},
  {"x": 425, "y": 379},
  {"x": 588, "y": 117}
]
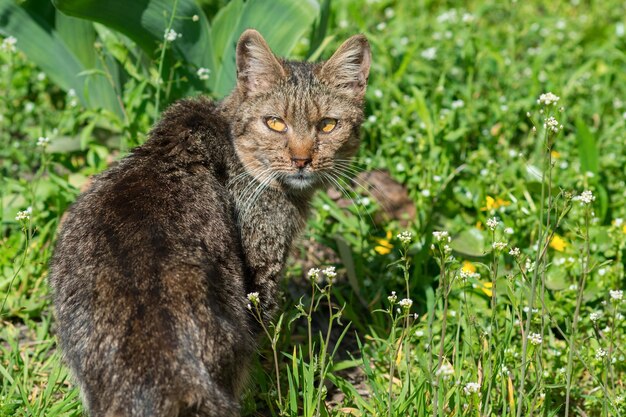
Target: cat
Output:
[{"x": 153, "y": 263}]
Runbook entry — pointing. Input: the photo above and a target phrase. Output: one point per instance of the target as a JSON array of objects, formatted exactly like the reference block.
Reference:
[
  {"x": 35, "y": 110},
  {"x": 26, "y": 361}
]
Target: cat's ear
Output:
[
  {"x": 349, "y": 67},
  {"x": 258, "y": 70}
]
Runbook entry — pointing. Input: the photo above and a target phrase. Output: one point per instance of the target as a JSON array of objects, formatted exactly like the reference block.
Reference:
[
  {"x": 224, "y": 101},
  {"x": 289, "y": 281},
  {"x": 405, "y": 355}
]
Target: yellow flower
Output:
[
  {"x": 558, "y": 243},
  {"x": 485, "y": 287},
  {"x": 468, "y": 267},
  {"x": 479, "y": 225},
  {"x": 494, "y": 203},
  {"x": 624, "y": 229},
  {"x": 555, "y": 155},
  {"x": 384, "y": 245}
]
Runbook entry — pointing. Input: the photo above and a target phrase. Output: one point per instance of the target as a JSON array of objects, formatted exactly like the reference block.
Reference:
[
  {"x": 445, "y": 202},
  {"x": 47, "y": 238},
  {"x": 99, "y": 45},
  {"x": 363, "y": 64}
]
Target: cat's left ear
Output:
[
  {"x": 258, "y": 70},
  {"x": 349, "y": 67}
]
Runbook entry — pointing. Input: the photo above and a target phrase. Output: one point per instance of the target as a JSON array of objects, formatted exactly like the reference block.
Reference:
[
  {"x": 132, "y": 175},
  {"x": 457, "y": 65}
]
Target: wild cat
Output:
[{"x": 153, "y": 263}]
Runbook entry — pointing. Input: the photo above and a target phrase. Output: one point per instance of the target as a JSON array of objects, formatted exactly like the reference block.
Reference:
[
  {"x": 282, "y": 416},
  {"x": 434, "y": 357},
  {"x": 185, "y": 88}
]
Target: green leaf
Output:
[
  {"x": 469, "y": 242},
  {"x": 281, "y": 22},
  {"x": 587, "y": 148}
]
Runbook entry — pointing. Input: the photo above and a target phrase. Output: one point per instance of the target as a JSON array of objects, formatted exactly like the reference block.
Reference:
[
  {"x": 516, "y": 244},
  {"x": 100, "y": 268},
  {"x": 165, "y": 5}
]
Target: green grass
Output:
[{"x": 451, "y": 106}]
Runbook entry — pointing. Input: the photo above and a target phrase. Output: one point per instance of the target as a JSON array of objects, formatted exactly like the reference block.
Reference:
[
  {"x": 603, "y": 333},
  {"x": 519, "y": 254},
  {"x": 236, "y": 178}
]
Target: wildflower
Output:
[
  {"x": 515, "y": 252},
  {"x": 552, "y": 125},
  {"x": 195, "y": 18},
  {"x": 499, "y": 245},
  {"x": 558, "y": 243},
  {"x": 378, "y": 93},
  {"x": 43, "y": 142},
  {"x": 586, "y": 197},
  {"x": 171, "y": 35},
  {"x": 8, "y": 44},
  {"x": 406, "y": 303},
  {"x": 384, "y": 245},
  {"x": 492, "y": 223},
  {"x": 24, "y": 215},
  {"x": 419, "y": 333},
  {"x": 555, "y": 154},
  {"x": 253, "y": 297},
  {"x": 471, "y": 388},
  {"x": 330, "y": 273},
  {"x": 600, "y": 353},
  {"x": 314, "y": 274},
  {"x": 595, "y": 316},
  {"x": 203, "y": 73},
  {"x": 457, "y": 104},
  {"x": 442, "y": 236},
  {"x": 509, "y": 231},
  {"x": 405, "y": 237},
  {"x": 393, "y": 297},
  {"x": 468, "y": 268},
  {"x": 426, "y": 192},
  {"x": 535, "y": 339},
  {"x": 366, "y": 201},
  {"x": 616, "y": 295},
  {"x": 494, "y": 203},
  {"x": 446, "y": 370},
  {"x": 430, "y": 53},
  {"x": 485, "y": 287},
  {"x": 548, "y": 99}
]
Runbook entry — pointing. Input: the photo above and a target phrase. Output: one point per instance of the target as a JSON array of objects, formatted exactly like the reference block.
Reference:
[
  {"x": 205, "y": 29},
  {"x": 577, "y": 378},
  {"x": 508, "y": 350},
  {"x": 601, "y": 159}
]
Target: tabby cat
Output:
[{"x": 154, "y": 261}]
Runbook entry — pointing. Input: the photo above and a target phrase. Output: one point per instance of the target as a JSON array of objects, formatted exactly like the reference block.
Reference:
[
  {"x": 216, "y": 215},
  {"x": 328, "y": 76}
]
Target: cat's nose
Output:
[{"x": 300, "y": 163}]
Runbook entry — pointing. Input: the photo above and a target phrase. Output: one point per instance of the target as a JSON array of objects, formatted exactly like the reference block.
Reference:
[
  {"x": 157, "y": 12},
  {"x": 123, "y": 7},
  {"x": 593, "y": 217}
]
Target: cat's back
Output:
[{"x": 148, "y": 265}]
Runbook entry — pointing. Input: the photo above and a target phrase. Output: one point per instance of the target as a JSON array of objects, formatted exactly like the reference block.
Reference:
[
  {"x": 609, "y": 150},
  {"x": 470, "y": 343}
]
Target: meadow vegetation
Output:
[{"x": 501, "y": 296}]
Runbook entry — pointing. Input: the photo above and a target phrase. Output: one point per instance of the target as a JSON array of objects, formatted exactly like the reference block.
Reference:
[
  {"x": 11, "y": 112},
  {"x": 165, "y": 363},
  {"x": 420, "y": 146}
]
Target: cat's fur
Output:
[{"x": 153, "y": 264}]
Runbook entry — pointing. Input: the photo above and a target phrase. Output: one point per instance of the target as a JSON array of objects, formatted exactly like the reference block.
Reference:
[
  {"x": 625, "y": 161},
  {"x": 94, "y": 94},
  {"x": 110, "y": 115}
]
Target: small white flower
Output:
[
  {"x": 393, "y": 297},
  {"x": 509, "y": 231},
  {"x": 400, "y": 167},
  {"x": 446, "y": 370},
  {"x": 381, "y": 26},
  {"x": 195, "y": 18},
  {"x": 515, "y": 252},
  {"x": 405, "y": 237},
  {"x": 600, "y": 353},
  {"x": 430, "y": 53},
  {"x": 586, "y": 197},
  {"x": 372, "y": 119},
  {"x": 535, "y": 339},
  {"x": 618, "y": 222},
  {"x": 366, "y": 201},
  {"x": 499, "y": 245},
  {"x": 406, "y": 303},
  {"x": 442, "y": 236},
  {"x": 41, "y": 76},
  {"x": 492, "y": 223},
  {"x": 8, "y": 44},
  {"x": 171, "y": 35},
  {"x": 409, "y": 139},
  {"x": 552, "y": 125},
  {"x": 329, "y": 273},
  {"x": 471, "y": 388},
  {"x": 616, "y": 295},
  {"x": 595, "y": 316},
  {"x": 457, "y": 104},
  {"x": 378, "y": 93},
  {"x": 253, "y": 297},
  {"x": 389, "y": 13},
  {"x": 314, "y": 274},
  {"x": 419, "y": 333},
  {"x": 548, "y": 99},
  {"x": 203, "y": 73},
  {"x": 43, "y": 142},
  {"x": 24, "y": 215},
  {"x": 425, "y": 192}
]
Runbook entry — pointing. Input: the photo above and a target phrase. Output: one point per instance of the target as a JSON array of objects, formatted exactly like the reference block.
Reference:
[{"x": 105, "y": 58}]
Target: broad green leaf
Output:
[
  {"x": 587, "y": 148},
  {"x": 469, "y": 242},
  {"x": 281, "y": 22}
]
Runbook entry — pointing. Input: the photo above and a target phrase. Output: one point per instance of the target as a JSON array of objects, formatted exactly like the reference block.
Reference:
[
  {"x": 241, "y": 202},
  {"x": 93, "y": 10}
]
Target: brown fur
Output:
[{"x": 152, "y": 267}]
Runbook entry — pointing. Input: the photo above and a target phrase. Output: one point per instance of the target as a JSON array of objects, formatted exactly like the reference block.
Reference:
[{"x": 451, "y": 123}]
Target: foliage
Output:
[{"x": 519, "y": 312}]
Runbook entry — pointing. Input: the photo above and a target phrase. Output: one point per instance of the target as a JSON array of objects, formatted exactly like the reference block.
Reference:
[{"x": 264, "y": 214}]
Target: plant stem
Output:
[{"x": 162, "y": 60}]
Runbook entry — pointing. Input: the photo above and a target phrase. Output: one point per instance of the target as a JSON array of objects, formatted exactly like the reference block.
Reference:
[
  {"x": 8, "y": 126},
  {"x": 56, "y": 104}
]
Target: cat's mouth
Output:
[{"x": 299, "y": 180}]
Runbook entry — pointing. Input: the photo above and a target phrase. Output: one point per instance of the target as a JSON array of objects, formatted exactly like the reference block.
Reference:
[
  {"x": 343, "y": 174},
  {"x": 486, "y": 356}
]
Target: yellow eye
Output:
[
  {"x": 328, "y": 125},
  {"x": 276, "y": 124}
]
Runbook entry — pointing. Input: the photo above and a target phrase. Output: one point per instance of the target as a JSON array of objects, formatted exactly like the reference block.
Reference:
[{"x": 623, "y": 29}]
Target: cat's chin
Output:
[{"x": 300, "y": 182}]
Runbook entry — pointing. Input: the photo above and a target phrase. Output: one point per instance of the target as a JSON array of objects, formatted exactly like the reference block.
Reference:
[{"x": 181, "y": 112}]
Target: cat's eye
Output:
[
  {"x": 276, "y": 124},
  {"x": 327, "y": 125}
]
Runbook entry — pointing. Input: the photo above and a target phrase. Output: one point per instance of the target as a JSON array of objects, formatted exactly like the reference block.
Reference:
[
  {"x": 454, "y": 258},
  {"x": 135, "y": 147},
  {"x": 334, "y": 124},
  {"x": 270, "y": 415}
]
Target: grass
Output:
[{"x": 453, "y": 116}]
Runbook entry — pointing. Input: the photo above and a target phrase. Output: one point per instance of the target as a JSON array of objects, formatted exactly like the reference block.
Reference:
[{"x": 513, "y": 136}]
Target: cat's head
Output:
[{"x": 296, "y": 124}]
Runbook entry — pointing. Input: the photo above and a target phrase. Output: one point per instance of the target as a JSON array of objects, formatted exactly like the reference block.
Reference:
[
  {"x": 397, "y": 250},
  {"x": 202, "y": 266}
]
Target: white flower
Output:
[
  {"x": 372, "y": 119},
  {"x": 425, "y": 192},
  {"x": 514, "y": 252},
  {"x": 329, "y": 273},
  {"x": 195, "y": 18},
  {"x": 600, "y": 353},
  {"x": 24, "y": 215},
  {"x": 43, "y": 142},
  {"x": 457, "y": 104},
  {"x": 419, "y": 333},
  {"x": 314, "y": 274},
  {"x": 253, "y": 297},
  {"x": 618, "y": 222},
  {"x": 171, "y": 35},
  {"x": 8, "y": 44},
  {"x": 203, "y": 73},
  {"x": 492, "y": 223},
  {"x": 595, "y": 316},
  {"x": 430, "y": 53},
  {"x": 406, "y": 303},
  {"x": 378, "y": 93},
  {"x": 548, "y": 99},
  {"x": 535, "y": 338},
  {"x": 552, "y": 124},
  {"x": 586, "y": 197},
  {"x": 509, "y": 231},
  {"x": 405, "y": 237},
  {"x": 366, "y": 201},
  {"x": 393, "y": 297},
  {"x": 616, "y": 295},
  {"x": 471, "y": 388},
  {"x": 499, "y": 245},
  {"x": 442, "y": 236},
  {"x": 446, "y": 370}
]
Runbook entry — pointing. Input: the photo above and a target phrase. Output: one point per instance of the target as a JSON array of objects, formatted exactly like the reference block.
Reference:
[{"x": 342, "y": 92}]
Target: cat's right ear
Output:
[
  {"x": 258, "y": 70},
  {"x": 348, "y": 69}
]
